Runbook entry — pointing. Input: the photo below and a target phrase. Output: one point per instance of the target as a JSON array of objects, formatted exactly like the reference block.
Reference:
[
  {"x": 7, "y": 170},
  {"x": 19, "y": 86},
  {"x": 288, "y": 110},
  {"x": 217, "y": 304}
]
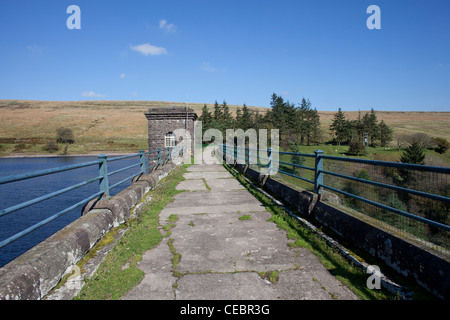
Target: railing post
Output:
[
  {"x": 103, "y": 170},
  {"x": 318, "y": 174},
  {"x": 144, "y": 162},
  {"x": 159, "y": 156},
  {"x": 169, "y": 154}
]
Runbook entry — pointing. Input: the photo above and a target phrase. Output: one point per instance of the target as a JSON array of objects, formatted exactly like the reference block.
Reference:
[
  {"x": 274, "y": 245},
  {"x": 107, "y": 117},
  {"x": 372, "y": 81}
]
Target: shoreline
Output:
[{"x": 22, "y": 156}]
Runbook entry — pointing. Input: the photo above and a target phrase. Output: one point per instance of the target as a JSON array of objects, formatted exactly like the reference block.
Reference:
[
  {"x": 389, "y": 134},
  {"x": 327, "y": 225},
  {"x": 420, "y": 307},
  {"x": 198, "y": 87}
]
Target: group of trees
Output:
[
  {"x": 221, "y": 118},
  {"x": 367, "y": 127},
  {"x": 297, "y": 124}
]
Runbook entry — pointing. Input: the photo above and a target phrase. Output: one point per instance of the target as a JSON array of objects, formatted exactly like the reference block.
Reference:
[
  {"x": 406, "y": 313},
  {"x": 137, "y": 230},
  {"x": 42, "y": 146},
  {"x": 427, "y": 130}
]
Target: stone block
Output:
[
  {"x": 19, "y": 283},
  {"x": 96, "y": 223},
  {"x": 129, "y": 195},
  {"x": 149, "y": 179},
  {"x": 119, "y": 208}
]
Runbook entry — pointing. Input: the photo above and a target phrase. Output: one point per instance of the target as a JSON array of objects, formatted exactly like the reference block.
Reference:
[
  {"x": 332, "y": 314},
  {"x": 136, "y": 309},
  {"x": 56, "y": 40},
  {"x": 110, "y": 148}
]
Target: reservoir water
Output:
[{"x": 20, "y": 191}]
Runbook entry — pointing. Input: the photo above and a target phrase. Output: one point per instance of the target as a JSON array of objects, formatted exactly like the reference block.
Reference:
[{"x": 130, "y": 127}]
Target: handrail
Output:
[
  {"x": 45, "y": 197},
  {"x": 319, "y": 172},
  {"x": 123, "y": 169},
  {"x": 389, "y": 186},
  {"x": 48, "y": 220},
  {"x": 392, "y": 164},
  {"x": 39, "y": 173},
  {"x": 165, "y": 154},
  {"x": 124, "y": 157}
]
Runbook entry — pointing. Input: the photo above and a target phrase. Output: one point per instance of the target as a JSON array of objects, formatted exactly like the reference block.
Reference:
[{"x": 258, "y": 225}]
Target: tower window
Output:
[{"x": 170, "y": 140}]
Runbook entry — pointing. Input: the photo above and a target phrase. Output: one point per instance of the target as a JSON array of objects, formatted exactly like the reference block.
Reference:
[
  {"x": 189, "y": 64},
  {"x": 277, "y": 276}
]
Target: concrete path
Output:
[{"x": 227, "y": 249}]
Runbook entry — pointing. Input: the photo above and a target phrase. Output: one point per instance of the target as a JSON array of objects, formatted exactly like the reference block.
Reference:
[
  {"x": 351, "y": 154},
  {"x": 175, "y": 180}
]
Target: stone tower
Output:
[{"x": 164, "y": 122}]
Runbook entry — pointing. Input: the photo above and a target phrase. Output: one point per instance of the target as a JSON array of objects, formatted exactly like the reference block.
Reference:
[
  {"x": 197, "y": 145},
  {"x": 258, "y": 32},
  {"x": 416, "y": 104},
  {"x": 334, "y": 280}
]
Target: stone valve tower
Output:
[{"x": 166, "y": 125}]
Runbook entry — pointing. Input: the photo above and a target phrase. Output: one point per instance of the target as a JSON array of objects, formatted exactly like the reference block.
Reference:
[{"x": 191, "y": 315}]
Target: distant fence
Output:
[
  {"x": 411, "y": 201},
  {"x": 142, "y": 164}
]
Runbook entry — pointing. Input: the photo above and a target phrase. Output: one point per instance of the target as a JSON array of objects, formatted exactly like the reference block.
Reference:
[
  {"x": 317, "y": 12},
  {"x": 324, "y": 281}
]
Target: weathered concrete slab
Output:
[
  {"x": 229, "y": 286},
  {"x": 191, "y": 185},
  {"x": 213, "y": 198},
  {"x": 227, "y": 246},
  {"x": 224, "y": 184},
  {"x": 291, "y": 285},
  {"x": 189, "y": 203},
  {"x": 207, "y": 175},
  {"x": 207, "y": 209},
  {"x": 308, "y": 285},
  {"x": 207, "y": 168},
  {"x": 239, "y": 245}
]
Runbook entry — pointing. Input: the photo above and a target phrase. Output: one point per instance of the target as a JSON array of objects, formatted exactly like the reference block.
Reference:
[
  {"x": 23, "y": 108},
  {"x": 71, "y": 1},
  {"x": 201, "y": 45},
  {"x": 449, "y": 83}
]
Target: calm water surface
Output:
[{"x": 17, "y": 192}]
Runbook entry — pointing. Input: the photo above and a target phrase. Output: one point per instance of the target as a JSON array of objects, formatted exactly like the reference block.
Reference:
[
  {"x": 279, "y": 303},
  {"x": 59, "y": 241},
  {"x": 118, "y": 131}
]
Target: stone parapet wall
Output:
[
  {"x": 33, "y": 274},
  {"x": 429, "y": 270}
]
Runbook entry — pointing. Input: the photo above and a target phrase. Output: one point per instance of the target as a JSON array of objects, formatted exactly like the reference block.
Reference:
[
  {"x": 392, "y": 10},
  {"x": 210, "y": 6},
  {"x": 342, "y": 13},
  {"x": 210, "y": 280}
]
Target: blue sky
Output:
[{"x": 238, "y": 51}]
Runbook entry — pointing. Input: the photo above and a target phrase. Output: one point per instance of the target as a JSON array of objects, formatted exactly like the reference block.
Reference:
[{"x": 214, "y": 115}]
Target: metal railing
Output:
[
  {"x": 413, "y": 201},
  {"x": 156, "y": 157}
]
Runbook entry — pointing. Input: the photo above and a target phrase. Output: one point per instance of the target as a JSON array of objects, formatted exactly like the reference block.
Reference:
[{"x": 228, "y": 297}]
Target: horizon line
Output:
[{"x": 236, "y": 105}]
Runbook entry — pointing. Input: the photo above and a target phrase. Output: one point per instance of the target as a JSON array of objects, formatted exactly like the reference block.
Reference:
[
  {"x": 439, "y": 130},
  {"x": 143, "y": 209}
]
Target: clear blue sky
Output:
[{"x": 238, "y": 51}]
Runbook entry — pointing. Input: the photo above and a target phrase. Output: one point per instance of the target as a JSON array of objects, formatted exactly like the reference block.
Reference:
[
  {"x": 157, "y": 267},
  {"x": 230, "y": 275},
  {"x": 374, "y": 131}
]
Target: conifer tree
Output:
[
  {"x": 227, "y": 119},
  {"x": 238, "y": 118},
  {"x": 206, "y": 118},
  {"x": 246, "y": 121},
  {"x": 370, "y": 124},
  {"x": 413, "y": 154},
  {"x": 217, "y": 112},
  {"x": 386, "y": 134},
  {"x": 340, "y": 127},
  {"x": 258, "y": 121},
  {"x": 307, "y": 123},
  {"x": 277, "y": 115}
]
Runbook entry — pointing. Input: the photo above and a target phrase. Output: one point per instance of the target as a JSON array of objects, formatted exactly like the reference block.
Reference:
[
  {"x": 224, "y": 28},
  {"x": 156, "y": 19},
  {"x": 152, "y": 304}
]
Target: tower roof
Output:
[{"x": 171, "y": 112}]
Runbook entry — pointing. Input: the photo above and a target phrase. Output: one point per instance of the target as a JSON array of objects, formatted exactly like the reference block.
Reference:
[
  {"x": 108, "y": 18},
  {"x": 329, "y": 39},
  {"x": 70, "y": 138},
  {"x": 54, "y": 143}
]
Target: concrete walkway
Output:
[{"x": 225, "y": 244}]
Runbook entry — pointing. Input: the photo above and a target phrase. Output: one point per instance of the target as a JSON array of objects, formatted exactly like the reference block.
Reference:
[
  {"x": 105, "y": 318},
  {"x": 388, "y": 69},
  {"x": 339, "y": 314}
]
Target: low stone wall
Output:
[
  {"x": 427, "y": 269},
  {"x": 32, "y": 275}
]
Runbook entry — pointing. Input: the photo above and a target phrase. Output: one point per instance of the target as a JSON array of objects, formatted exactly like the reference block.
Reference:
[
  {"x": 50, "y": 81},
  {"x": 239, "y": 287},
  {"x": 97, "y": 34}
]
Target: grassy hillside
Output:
[
  {"x": 120, "y": 126},
  {"x": 98, "y": 126},
  {"x": 431, "y": 123}
]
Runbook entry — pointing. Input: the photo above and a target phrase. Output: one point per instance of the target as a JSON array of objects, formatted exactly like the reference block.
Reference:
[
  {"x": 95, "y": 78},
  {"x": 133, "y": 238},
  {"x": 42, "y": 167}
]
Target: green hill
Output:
[{"x": 121, "y": 126}]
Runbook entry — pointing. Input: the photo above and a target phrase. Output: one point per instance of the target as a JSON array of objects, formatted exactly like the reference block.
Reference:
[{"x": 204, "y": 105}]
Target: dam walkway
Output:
[{"x": 228, "y": 250}]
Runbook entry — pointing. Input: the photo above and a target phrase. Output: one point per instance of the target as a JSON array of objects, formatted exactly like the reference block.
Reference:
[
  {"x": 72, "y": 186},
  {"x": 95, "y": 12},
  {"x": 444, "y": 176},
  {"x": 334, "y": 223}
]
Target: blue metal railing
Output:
[
  {"x": 408, "y": 187},
  {"x": 157, "y": 157}
]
